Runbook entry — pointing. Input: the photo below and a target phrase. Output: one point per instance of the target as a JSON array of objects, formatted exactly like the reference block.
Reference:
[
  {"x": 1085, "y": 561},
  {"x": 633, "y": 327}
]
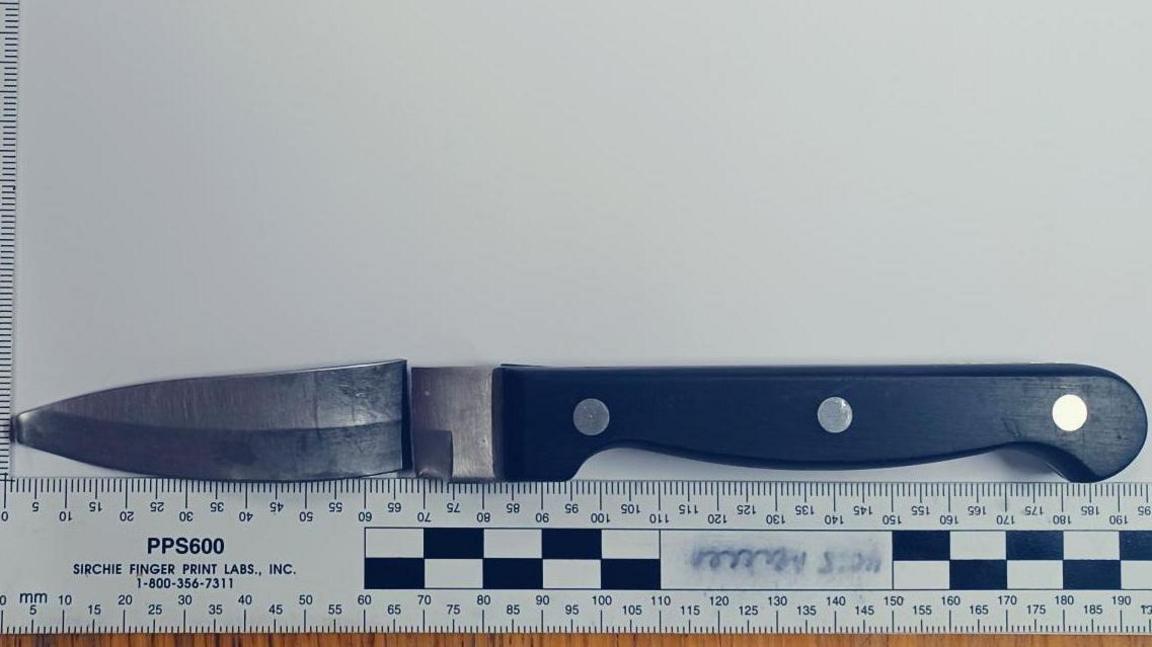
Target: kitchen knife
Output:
[{"x": 536, "y": 423}]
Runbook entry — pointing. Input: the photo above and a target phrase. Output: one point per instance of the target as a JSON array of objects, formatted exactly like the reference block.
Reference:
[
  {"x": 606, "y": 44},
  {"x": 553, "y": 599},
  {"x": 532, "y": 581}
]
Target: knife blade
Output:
[
  {"x": 292, "y": 425},
  {"x": 514, "y": 422}
]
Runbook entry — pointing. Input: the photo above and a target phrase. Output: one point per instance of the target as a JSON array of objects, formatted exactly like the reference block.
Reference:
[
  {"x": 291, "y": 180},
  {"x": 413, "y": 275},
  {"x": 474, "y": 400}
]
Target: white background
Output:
[{"x": 217, "y": 186}]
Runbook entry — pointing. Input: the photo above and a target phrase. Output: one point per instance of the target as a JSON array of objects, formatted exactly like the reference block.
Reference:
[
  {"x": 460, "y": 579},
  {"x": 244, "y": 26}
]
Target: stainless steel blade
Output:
[
  {"x": 313, "y": 424},
  {"x": 455, "y": 429}
]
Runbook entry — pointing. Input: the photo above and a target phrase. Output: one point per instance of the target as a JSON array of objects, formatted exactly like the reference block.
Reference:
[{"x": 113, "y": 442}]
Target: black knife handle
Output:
[{"x": 768, "y": 416}]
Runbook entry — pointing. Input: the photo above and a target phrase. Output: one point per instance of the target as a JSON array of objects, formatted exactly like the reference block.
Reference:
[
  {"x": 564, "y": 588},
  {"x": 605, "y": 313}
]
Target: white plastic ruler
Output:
[{"x": 122, "y": 555}]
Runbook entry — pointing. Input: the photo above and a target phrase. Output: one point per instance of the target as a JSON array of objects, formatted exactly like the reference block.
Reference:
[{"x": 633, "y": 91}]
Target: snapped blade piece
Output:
[{"x": 303, "y": 425}]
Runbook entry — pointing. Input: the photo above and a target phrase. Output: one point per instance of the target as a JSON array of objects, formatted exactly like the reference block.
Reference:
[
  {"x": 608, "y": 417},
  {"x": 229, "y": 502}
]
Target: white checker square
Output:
[
  {"x": 393, "y": 542},
  {"x": 1087, "y": 544},
  {"x": 571, "y": 573},
  {"x": 920, "y": 575},
  {"x": 978, "y": 545},
  {"x": 629, "y": 544},
  {"x": 1135, "y": 575},
  {"x": 512, "y": 543},
  {"x": 1036, "y": 574},
  {"x": 454, "y": 573}
]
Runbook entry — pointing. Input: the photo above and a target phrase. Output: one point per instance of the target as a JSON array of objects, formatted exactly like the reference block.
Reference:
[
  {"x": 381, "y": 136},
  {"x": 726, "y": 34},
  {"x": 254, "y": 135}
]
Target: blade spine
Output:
[{"x": 217, "y": 376}]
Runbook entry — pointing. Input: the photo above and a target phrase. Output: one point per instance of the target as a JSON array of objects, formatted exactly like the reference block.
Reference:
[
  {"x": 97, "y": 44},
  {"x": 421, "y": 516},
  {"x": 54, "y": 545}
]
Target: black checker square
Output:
[
  {"x": 513, "y": 573},
  {"x": 1091, "y": 574},
  {"x": 1136, "y": 545},
  {"x": 453, "y": 543},
  {"x": 393, "y": 573},
  {"x": 1035, "y": 544},
  {"x": 978, "y": 575},
  {"x": 921, "y": 545},
  {"x": 571, "y": 543},
  {"x": 629, "y": 574}
]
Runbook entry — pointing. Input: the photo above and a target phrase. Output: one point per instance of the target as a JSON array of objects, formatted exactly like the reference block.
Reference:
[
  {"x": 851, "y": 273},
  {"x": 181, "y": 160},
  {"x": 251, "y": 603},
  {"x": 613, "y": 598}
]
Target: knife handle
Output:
[{"x": 553, "y": 419}]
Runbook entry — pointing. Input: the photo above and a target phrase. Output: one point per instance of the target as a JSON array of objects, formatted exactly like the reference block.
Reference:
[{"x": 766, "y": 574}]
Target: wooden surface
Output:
[{"x": 531, "y": 640}]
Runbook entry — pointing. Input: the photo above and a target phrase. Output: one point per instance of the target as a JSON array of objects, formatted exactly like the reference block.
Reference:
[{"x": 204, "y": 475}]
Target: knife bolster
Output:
[{"x": 455, "y": 432}]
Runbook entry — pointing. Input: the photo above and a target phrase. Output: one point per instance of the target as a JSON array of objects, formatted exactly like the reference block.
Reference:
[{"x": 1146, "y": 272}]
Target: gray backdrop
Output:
[{"x": 232, "y": 186}]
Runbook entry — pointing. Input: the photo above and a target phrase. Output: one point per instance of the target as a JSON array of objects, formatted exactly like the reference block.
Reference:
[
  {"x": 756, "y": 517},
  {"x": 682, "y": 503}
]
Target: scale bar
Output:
[{"x": 9, "y": 72}]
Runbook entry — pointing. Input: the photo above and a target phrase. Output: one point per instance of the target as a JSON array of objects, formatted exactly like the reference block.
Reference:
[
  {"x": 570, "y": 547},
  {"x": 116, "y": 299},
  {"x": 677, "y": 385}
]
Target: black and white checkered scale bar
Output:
[
  {"x": 415, "y": 558},
  {"x": 595, "y": 559}
]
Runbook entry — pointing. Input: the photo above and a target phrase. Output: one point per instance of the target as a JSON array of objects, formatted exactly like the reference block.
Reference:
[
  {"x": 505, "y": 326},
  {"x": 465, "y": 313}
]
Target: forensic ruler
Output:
[
  {"x": 9, "y": 71},
  {"x": 127, "y": 555}
]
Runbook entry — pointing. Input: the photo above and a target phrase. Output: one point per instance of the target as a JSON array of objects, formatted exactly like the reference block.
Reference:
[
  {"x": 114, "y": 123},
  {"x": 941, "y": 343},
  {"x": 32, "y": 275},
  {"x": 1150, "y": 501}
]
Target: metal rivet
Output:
[
  {"x": 1069, "y": 412},
  {"x": 834, "y": 415},
  {"x": 590, "y": 417}
]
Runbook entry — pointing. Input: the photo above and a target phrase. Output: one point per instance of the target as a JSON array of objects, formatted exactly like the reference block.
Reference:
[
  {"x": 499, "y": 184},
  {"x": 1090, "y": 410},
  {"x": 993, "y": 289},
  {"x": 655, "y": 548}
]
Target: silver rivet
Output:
[
  {"x": 590, "y": 417},
  {"x": 834, "y": 415},
  {"x": 1069, "y": 412}
]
